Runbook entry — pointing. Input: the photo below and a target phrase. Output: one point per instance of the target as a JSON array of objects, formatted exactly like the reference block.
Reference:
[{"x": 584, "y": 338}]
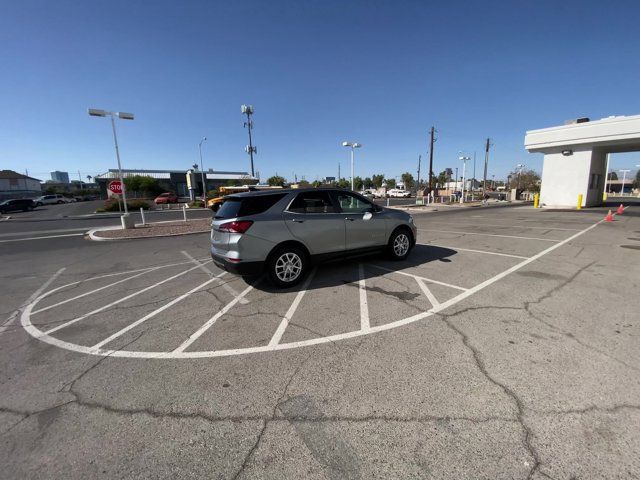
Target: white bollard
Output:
[
  {"x": 142, "y": 215},
  {"x": 184, "y": 211}
]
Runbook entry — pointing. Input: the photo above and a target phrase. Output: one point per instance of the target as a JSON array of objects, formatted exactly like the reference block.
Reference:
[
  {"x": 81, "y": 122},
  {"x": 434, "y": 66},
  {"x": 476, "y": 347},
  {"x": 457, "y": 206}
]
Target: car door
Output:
[
  {"x": 312, "y": 218},
  {"x": 364, "y": 226}
]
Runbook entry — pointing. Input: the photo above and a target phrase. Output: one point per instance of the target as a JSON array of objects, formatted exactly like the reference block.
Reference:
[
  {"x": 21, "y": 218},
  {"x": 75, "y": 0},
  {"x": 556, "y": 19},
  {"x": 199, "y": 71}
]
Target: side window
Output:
[
  {"x": 259, "y": 204},
  {"x": 352, "y": 204},
  {"x": 312, "y": 202}
]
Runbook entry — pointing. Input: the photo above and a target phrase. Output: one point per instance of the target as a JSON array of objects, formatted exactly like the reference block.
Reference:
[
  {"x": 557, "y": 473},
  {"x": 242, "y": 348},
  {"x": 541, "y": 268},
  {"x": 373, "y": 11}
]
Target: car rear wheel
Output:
[
  {"x": 287, "y": 266},
  {"x": 399, "y": 245}
]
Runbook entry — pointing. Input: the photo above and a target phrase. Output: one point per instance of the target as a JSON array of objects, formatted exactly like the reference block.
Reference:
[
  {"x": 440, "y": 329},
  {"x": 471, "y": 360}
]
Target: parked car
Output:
[
  {"x": 17, "y": 204},
  {"x": 398, "y": 193},
  {"x": 50, "y": 200},
  {"x": 284, "y": 232},
  {"x": 368, "y": 194},
  {"x": 167, "y": 197}
]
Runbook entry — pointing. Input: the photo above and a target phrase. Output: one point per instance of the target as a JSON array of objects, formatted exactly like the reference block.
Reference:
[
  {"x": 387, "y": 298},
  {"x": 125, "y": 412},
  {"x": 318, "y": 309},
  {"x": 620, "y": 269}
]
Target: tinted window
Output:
[
  {"x": 312, "y": 202},
  {"x": 245, "y": 206},
  {"x": 352, "y": 204}
]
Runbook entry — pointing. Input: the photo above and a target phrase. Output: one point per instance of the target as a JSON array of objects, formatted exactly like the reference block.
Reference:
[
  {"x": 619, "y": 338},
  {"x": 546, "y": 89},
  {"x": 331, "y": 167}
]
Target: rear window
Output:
[{"x": 245, "y": 206}]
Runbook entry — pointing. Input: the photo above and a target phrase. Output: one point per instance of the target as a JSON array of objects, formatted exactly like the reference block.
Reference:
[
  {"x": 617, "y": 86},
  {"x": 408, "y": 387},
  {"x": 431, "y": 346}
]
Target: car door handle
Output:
[
  {"x": 297, "y": 220},
  {"x": 350, "y": 219}
]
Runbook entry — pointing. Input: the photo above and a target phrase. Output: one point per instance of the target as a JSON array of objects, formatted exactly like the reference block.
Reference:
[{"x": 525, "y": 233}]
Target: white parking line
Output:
[
  {"x": 209, "y": 323},
  {"x": 489, "y": 235},
  {"x": 33, "y": 296},
  {"x": 430, "y": 280},
  {"x": 94, "y": 291},
  {"x": 155, "y": 312},
  {"x": 472, "y": 250},
  {"x": 97, "y": 310},
  {"x": 432, "y": 298},
  {"x": 42, "y": 238},
  {"x": 277, "y": 336},
  {"x": 225, "y": 285},
  {"x": 38, "y": 232},
  {"x": 364, "y": 306}
]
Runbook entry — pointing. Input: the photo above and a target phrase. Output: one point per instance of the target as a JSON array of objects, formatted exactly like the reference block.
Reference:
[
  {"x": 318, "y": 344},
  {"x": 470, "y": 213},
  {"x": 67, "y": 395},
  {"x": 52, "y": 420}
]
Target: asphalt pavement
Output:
[{"x": 505, "y": 346}]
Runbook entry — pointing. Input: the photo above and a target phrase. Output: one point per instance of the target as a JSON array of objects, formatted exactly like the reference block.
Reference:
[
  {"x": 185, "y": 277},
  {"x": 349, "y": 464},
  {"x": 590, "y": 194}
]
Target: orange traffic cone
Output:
[
  {"x": 609, "y": 217},
  {"x": 620, "y": 210}
]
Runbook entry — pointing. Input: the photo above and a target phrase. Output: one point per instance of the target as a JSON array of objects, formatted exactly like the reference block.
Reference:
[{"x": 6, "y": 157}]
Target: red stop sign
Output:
[{"x": 115, "y": 187}]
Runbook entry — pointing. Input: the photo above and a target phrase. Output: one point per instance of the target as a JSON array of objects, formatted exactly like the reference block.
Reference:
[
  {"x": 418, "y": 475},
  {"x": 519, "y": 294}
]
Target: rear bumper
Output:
[{"x": 238, "y": 268}]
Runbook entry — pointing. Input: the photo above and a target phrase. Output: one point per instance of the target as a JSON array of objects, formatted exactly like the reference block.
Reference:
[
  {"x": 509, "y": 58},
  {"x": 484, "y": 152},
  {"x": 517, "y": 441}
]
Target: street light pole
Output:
[
  {"x": 204, "y": 183},
  {"x": 464, "y": 169},
  {"x": 94, "y": 112},
  {"x": 353, "y": 146},
  {"x": 520, "y": 166},
  {"x": 115, "y": 141}
]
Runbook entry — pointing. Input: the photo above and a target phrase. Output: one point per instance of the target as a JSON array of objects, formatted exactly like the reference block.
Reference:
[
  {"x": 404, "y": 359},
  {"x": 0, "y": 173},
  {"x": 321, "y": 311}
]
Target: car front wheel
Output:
[
  {"x": 287, "y": 266},
  {"x": 399, "y": 245}
]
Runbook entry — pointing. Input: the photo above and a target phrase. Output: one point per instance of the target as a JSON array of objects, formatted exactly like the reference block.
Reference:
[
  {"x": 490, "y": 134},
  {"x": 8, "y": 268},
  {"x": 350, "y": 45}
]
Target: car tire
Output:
[
  {"x": 287, "y": 266},
  {"x": 38, "y": 204},
  {"x": 400, "y": 244},
  {"x": 59, "y": 202}
]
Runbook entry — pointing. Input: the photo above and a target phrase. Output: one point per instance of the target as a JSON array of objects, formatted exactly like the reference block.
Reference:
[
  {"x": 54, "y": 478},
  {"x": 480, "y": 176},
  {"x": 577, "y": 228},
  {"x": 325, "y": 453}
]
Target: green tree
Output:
[
  {"x": 232, "y": 183},
  {"x": 442, "y": 178},
  {"x": 316, "y": 184},
  {"x": 527, "y": 180},
  {"x": 276, "y": 181},
  {"x": 367, "y": 182},
  {"x": 150, "y": 186},
  {"x": 343, "y": 183},
  {"x": 377, "y": 180},
  {"x": 357, "y": 183},
  {"x": 613, "y": 176},
  {"x": 303, "y": 184},
  {"x": 408, "y": 180},
  {"x": 141, "y": 185},
  {"x": 391, "y": 183},
  {"x": 636, "y": 182}
]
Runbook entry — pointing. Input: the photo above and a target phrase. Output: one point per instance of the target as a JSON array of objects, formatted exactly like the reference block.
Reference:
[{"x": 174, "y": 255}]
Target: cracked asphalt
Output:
[{"x": 528, "y": 374}]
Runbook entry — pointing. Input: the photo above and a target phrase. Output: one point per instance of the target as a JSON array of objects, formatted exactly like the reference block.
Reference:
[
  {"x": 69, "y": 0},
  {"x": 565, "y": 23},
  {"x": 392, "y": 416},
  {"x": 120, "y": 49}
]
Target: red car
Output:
[{"x": 166, "y": 197}]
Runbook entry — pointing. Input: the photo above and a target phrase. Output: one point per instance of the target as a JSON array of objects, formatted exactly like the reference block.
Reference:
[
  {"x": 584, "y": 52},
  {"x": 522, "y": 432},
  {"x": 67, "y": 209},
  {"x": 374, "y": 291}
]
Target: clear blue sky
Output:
[{"x": 317, "y": 73}]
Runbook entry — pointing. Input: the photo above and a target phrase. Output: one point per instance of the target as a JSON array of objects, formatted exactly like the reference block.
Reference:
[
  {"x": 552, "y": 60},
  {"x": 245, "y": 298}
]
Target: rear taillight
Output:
[{"x": 236, "y": 227}]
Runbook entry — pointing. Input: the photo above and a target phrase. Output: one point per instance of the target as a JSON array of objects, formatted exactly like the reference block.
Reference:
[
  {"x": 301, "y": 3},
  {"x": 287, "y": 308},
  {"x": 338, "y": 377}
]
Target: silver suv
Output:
[{"x": 284, "y": 232}]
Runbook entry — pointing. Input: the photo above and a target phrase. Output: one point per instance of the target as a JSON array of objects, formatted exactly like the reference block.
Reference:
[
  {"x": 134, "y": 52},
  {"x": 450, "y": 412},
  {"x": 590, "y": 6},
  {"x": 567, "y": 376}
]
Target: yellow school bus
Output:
[{"x": 214, "y": 203}]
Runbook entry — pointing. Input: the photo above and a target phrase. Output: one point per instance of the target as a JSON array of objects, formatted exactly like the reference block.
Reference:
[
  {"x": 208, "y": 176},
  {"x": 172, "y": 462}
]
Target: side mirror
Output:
[{"x": 367, "y": 216}]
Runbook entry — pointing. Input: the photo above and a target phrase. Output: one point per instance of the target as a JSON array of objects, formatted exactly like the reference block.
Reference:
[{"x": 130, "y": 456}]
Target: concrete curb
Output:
[
  {"x": 444, "y": 207},
  {"x": 92, "y": 234}
]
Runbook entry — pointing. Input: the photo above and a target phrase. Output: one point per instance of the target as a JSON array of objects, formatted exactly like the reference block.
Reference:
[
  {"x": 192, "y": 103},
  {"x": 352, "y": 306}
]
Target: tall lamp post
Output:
[
  {"x": 204, "y": 182},
  {"x": 94, "y": 112},
  {"x": 352, "y": 146},
  {"x": 464, "y": 169},
  {"x": 520, "y": 167}
]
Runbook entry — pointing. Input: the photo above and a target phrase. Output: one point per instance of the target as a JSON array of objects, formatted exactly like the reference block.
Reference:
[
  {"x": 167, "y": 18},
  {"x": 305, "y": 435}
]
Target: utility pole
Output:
[
  {"x": 486, "y": 162},
  {"x": 474, "y": 172},
  {"x": 418, "y": 180},
  {"x": 433, "y": 131},
  {"x": 338, "y": 171},
  {"x": 250, "y": 149}
]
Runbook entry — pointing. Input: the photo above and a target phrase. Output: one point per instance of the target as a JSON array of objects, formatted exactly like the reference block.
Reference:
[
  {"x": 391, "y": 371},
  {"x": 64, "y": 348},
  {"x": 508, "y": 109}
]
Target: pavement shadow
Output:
[{"x": 346, "y": 270}]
